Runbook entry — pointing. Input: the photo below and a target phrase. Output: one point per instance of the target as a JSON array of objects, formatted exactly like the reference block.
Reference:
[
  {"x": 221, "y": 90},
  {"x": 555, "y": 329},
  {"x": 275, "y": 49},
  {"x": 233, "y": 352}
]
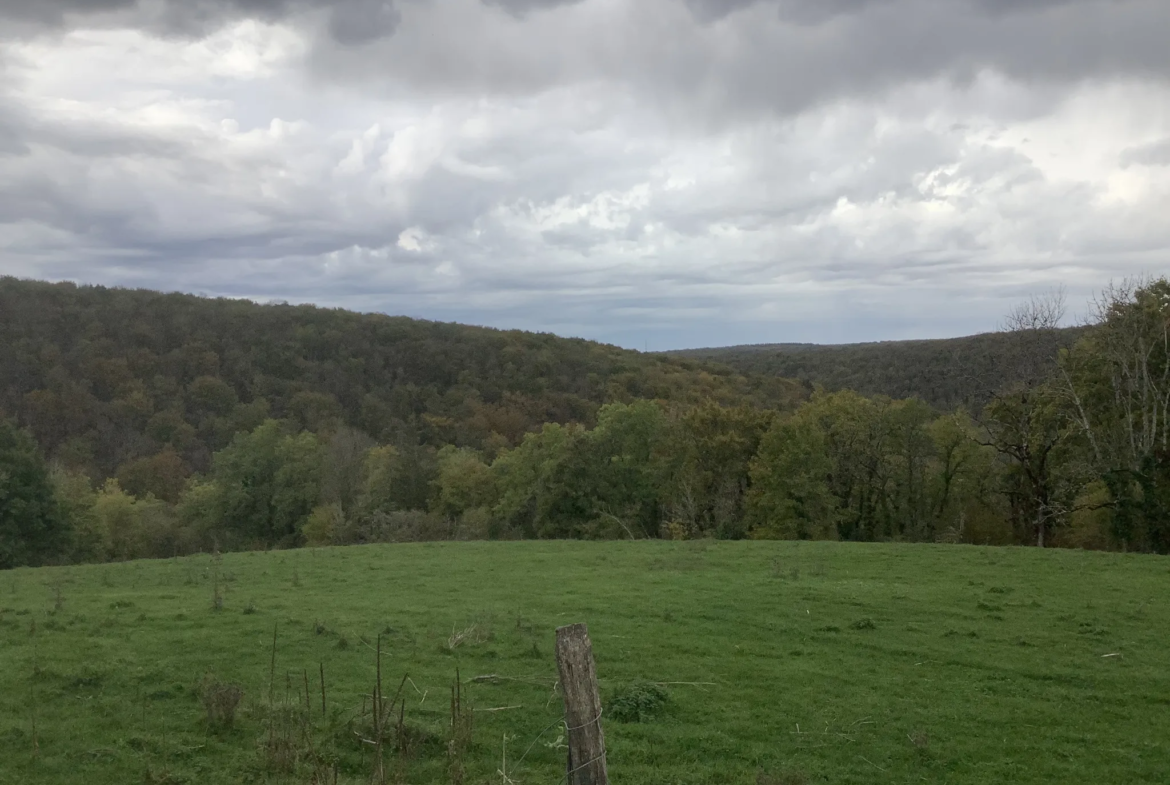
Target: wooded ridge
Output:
[
  {"x": 944, "y": 372},
  {"x": 143, "y": 424}
]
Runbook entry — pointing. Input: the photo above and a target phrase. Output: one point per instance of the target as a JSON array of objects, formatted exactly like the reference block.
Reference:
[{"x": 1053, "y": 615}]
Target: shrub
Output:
[
  {"x": 401, "y": 526},
  {"x": 220, "y": 701},
  {"x": 638, "y": 702}
]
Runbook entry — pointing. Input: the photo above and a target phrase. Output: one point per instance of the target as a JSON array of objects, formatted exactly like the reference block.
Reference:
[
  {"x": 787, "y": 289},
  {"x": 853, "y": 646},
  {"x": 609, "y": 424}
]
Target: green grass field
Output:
[{"x": 787, "y": 662}]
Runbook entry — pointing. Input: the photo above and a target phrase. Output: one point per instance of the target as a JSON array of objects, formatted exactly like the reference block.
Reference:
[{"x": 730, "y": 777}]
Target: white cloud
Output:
[{"x": 546, "y": 170}]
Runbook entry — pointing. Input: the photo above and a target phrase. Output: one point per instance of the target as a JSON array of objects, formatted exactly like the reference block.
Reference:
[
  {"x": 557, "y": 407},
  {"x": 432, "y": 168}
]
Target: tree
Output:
[
  {"x": 76, "y": 497},
  {"x": 908, "y": 462},
  {"x": 325, "y": 525},
  {"x": 198, "y": 515},
  {"x": 346, "y": 451},
  {"x": 860, "y": 443},
  {"x": 1027, "y": 428},
  {"x": 528, "y": 481},
  {"x": 32, "y": 529},
  {"x": 964, "y": 482},
  {"x": 379, "y": 470},
  {"x": 619, "y": 470},
  {"x": 268, "y": 483},
  {"x": 315, "y": 411},
  {"x": 1117, "y": 379},
  {"x": 119, "y": 521},
  {"x": 1027, "y": 425},
  {"x": 464, "y": 482},
  {"x": 790, "y": 496},
  {"x": 707, "y": 469},
  {"x": 209, "y": 395},
  {"x": 163, "y": 476},
  {"x": 132, "y": 528}
]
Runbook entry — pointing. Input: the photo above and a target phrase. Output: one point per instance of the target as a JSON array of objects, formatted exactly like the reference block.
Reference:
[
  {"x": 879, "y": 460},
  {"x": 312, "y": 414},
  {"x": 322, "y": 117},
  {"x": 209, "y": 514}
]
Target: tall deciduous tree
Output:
[
  {"x": 32, "y": 528},
  {"x": 790, "y": 495},
  {"x": 1117, "y": 379},
  {"x": 268, "y": 483},
  {"x": 1027, "y": 424},
  {"x": 708, "y": 465}
]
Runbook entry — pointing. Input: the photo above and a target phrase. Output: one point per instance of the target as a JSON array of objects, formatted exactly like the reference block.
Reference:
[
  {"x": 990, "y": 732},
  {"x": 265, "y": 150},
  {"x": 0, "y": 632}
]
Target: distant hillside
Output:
[
  {"x": 104, "y": 376},
  {"x": 945, "y": 373}
]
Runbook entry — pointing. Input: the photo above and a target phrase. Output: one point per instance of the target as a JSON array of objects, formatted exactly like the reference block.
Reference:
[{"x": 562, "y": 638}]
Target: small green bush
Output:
[{"x": 638, "y": 702}]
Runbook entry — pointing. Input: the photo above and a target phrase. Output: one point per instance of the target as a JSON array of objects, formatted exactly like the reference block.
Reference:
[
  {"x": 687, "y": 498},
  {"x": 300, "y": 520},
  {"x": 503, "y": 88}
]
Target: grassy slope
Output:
[{"x": 992, "y": 659}]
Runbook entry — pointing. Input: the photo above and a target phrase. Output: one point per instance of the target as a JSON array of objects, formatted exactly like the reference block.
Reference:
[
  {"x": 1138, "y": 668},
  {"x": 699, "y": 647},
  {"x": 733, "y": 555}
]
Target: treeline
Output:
[
  {"x": 1074, "y": 452},
  {"x": 842, "y": 467}
]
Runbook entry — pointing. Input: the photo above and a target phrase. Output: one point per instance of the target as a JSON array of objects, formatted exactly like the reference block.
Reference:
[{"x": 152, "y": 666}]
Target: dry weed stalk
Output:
[
  {"x": 459, "y": 637},
  {"x": 461, "y": 731}
]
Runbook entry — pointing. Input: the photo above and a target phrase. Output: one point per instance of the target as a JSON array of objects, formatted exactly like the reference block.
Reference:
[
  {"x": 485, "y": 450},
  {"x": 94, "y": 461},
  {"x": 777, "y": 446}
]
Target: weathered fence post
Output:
[{"x": 582, "y": 706}]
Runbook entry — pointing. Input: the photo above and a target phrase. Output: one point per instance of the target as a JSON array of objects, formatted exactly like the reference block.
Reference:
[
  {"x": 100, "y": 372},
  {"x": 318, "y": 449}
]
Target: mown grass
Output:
[{"x": 782, "y": 662}]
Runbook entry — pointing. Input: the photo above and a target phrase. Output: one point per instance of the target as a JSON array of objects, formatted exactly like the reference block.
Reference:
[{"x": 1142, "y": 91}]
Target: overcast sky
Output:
[{"x": 652, "y": 173}]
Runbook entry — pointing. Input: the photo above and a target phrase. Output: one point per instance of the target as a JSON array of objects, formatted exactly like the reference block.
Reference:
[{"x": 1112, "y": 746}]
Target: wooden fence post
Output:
[{"x": 582, "y": 706}]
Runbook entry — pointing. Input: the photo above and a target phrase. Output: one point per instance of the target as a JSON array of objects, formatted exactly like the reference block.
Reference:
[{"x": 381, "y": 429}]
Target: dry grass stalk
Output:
[{"x": 459, "y": 637}]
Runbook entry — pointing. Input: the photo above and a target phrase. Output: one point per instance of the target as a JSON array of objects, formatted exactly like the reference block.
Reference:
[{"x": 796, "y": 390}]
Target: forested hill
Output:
[
  {"x": 104, "y": 376},
  {"x": 945, "y": 372}
]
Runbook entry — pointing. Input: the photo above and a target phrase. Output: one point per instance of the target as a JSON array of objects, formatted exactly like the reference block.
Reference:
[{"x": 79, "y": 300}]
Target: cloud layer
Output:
[{"x": 656, "y": 173}]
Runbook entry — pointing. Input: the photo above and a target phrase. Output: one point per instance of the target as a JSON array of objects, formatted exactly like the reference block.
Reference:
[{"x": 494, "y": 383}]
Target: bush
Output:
[
  {"x": 325, "y": 526},
  {"x": 638, "y": 702},
  {"x": 401, "y": 526},
  {"x": 33, "y": 530},
  {"x": 220, "y": 701}
]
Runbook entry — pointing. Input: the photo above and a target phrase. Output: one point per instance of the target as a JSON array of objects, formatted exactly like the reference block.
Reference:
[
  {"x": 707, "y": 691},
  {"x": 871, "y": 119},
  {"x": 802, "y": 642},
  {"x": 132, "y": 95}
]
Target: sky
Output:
[{"x": 653, "y": 173}]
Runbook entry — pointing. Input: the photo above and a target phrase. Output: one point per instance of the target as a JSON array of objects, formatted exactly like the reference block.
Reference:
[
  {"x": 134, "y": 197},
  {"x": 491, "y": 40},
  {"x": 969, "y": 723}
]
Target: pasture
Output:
[{"x": 782, "y": 662}]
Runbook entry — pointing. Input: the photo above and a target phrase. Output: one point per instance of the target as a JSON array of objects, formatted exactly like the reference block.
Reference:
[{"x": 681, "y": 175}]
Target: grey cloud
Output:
[
  {"x": 54, "y": 11},
  {"x": 579, "y": 237},
  {"x": 180, "y": 15},
  {"x": 807, "y": 12},
  {"x": 755, "y": 62},
  {"x": 813, "y": 12},
  {"x": 819, "y": 49},
  {"x": 713, "y": 10},
  {"x": 350, "y": 22},
  {"x": 362, "y": 21},
  {"x": 682, "y": 171},
  {"x": 519, "y": 8},
  {"x": 1152, "y": 154},
  {"x": 12, "y": 133},
  {"x": 1025, "y": 6}
]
